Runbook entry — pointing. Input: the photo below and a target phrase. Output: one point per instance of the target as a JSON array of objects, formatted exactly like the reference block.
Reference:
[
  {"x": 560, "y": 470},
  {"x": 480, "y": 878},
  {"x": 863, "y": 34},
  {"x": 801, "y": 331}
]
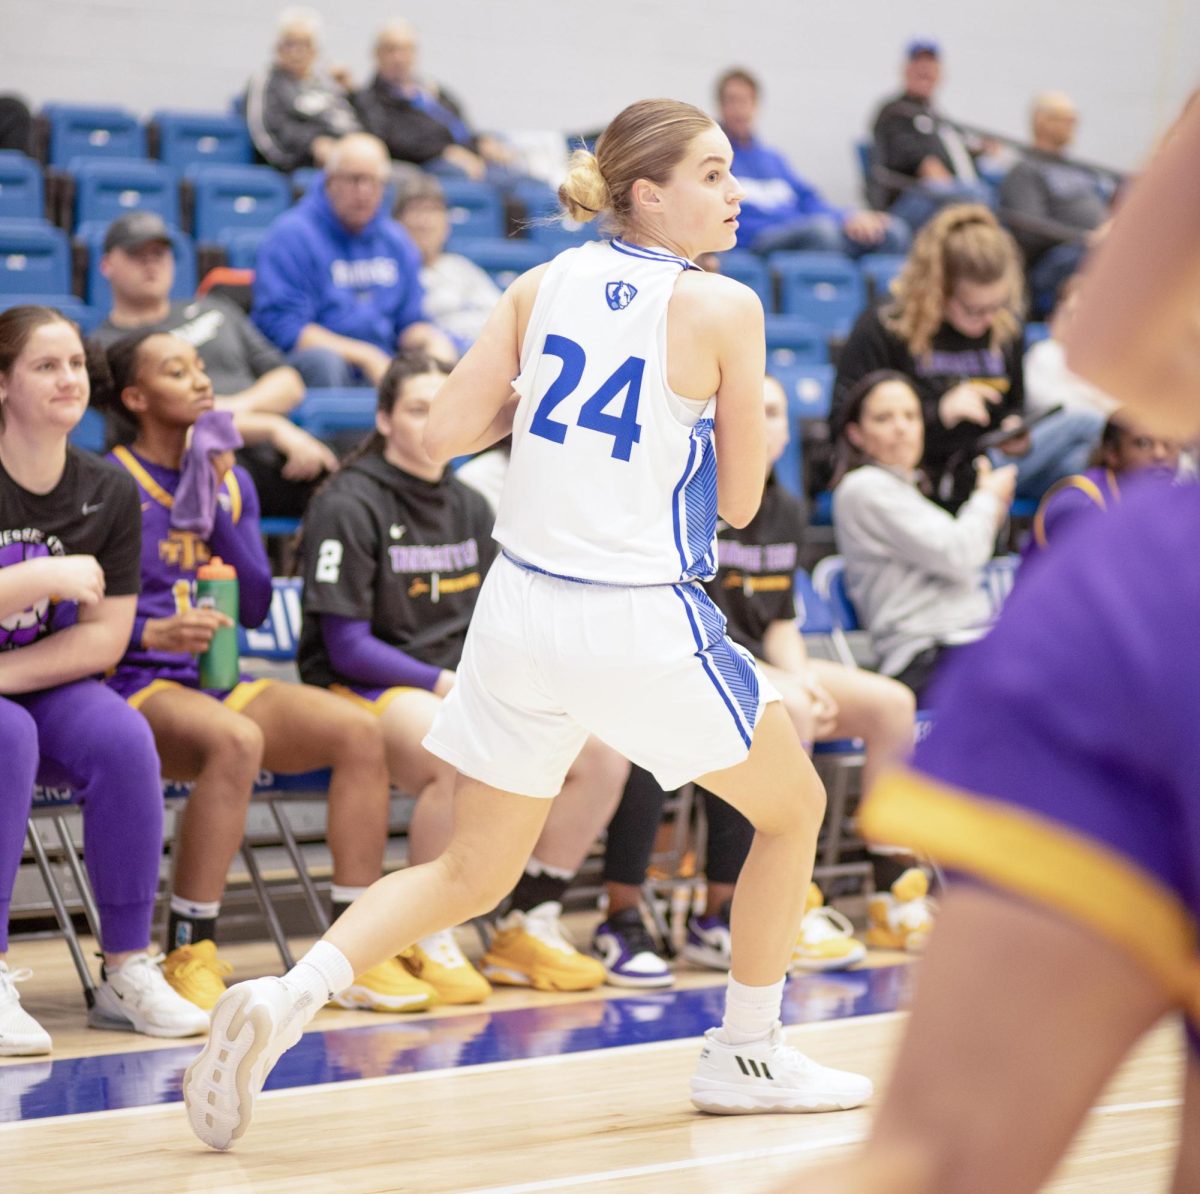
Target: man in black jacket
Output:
[
  {"x": 913, "y": 140},
  {"x": 417, "y": 120}
]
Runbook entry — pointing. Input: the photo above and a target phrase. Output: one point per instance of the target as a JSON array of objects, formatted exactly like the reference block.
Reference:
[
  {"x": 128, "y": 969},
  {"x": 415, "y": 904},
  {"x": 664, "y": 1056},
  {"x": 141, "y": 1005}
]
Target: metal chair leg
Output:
[
  {"x": 61, "y": 914},
  {"x": 274, "y": 927},
  {"x": 292, "y": 846},
  {"x": 82, "y": 884}
]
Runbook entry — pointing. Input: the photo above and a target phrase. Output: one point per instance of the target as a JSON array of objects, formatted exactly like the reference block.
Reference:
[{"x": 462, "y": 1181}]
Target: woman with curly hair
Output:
[{"x": 954, "y": 327}]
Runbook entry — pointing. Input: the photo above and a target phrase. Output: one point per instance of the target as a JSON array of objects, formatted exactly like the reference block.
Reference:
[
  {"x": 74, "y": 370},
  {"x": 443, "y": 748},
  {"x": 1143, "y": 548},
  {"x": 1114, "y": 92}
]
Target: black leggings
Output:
[{"x": 632, "y": 830}]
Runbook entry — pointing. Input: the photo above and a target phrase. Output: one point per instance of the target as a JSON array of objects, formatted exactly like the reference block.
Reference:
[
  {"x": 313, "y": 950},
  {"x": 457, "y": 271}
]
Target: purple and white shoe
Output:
[{"x": 627, "y": 951}]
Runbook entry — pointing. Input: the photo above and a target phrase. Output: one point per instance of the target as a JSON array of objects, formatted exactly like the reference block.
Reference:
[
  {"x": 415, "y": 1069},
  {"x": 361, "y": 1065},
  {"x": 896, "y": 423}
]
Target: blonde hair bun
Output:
[{"x": 584, "y": 193}]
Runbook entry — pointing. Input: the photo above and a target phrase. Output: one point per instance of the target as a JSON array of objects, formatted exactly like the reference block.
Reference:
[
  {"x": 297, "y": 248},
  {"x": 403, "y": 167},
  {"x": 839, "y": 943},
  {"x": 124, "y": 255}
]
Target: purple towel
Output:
[{"x": 195, "y": 505}]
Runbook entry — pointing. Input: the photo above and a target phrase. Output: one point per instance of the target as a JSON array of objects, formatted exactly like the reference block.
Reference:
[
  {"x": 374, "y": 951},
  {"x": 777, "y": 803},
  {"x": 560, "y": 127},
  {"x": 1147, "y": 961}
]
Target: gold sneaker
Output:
[
  {"x": 826, "y": 940},
  {"x": 438, "y": 961},
  {"x": 197, "y": 973},
  {"x": 903, "y": 917},
  {"x": 529, "y": 950},
  {"x": 387, "y": 987}
]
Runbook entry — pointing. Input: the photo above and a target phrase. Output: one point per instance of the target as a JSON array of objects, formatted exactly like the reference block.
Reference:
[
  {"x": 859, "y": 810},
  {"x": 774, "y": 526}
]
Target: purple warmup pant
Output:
[{"x": 85, "y": 736}]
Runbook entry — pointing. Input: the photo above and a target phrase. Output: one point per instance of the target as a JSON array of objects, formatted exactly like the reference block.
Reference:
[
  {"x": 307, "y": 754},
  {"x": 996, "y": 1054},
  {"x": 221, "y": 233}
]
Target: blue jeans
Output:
[
  {"x": 1048, "y": 273},
  {"x": 823, "y": 233},
  {"x": 923, "y": 200},
  {"x": 321, "y": 368},
  {"x": 1062, "y": 446}
]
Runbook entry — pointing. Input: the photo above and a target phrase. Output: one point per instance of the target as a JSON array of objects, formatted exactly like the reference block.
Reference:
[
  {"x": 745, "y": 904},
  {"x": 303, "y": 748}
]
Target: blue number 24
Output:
[{"x": 624, "y": 428}]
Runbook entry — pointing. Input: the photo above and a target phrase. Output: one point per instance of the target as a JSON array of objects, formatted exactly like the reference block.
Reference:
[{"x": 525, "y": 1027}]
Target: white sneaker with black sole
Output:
[
  {"x": 769, "y": 1075},
  {"x": 136, "y": 997},
  {"x": 253, "y": 1024},
  {"x": 20, "y": 1034}
]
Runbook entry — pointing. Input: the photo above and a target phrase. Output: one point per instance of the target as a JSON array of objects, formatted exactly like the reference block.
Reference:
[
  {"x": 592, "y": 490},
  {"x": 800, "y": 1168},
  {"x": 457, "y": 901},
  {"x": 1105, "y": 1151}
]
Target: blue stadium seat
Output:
[
  {"x": 827, "y": 289},
  {"x": 87, "y": 317},
  {"x": 188, "y": 138},
  {"x": 83, "y": 130},
  {"x": 1035, "y": 332},
  {"x": 241, "y": 246},
  {"x": 475, "y": 207},
  {"x": 502, "y": 258},
  {"x": 90, "y": 433},
  {"x": 97, "y": 289},
  {"x": 539, "y": 199},
  {"x": 791, "y": 340},
  {"x": 878, "y": 270},
  {"x": 813, "y": 614},
  {"x": 106, "y": 188},
  {"x": 22, "y": 196},
  {"x": 325, "y": 412},
  {"x": 229, "y": 198},
  {"x": 564, "y": 234},
  {"x": 809, "y": 390},
  {"x": 750, "y": 269},
  {"x": 34, "y": 258}
]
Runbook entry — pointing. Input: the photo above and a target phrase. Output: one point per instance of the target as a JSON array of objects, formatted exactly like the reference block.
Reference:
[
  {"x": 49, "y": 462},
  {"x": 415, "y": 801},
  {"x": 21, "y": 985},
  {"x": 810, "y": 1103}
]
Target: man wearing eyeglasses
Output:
[{"x": 338, "y": 280}]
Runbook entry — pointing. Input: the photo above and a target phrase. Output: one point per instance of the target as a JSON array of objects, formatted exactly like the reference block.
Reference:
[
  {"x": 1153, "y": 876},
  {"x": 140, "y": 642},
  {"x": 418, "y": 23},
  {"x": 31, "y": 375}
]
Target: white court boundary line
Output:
[
  {"x": 750, "y": 1154},
  {"x": 488, "y": 1067}
]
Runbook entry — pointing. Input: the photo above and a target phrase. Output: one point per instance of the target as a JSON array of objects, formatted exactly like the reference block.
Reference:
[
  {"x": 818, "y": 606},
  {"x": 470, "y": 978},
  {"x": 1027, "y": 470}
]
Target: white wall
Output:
[{"x": 534, "y": 63}]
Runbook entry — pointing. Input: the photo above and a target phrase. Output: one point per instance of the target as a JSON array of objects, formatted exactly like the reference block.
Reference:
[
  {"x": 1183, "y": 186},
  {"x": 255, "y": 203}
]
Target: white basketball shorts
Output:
[{"x": 648, "y": 670}]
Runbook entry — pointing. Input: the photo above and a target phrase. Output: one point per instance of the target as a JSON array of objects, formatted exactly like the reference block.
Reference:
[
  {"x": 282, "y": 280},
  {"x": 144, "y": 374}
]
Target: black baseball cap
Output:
[{"x": 134, "y": 229}]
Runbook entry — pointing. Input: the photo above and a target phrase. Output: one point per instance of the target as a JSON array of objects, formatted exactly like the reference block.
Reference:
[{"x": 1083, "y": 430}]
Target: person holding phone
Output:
[{"x": 953, "y": 326}]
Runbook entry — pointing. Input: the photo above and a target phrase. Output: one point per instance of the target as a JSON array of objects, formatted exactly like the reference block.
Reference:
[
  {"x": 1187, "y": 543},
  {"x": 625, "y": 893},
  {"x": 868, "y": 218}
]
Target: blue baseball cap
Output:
[{"x": 920, "y": 46}]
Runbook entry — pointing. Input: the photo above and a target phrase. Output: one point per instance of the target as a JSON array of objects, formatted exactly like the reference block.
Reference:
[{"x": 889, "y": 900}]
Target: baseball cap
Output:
[
  {"x": 134, "y": 229},
  {"x": 922, "y": 45}
]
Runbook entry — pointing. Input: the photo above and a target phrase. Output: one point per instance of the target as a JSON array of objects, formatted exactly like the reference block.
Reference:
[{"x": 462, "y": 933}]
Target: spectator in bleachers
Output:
[
  {"x": 69, "y": 544},
  {"x": 954, "y": 327},
  {"x": 1127, "y": 454},
  {"x": 1049, "y": 203},
  {"x": 16, "y": 124},
  {"x": 197, "y": 506},
  {"x": 337, "y": 283},
  {"x": 295, "y": 112},
  {"x": 416, "y": 118},
  {"x": 459, "y": 296},
  {"x": 780, "y": 210},
  {"x": 395, "y": 550},
  {"x": 912, "y": 139},
  {"x": 913, "y": 570},
  {"x": 248, "y": 373}
]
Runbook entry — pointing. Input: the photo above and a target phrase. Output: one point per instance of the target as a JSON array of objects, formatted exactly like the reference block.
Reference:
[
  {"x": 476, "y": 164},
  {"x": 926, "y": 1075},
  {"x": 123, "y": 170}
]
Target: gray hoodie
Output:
[{"x": 913, "y": 570}]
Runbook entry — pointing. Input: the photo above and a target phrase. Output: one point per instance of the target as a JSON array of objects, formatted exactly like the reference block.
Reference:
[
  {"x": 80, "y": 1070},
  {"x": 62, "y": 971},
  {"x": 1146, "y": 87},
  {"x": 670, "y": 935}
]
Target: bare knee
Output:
[
  {"x": 359, "y": 742},
  {"x": 237, "y": 751},
  {"x": 479, "y": 883}
]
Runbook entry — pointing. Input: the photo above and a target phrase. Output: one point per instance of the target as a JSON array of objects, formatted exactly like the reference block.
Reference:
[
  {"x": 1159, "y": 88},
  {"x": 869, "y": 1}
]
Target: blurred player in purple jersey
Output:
[
  {"x": 219, "y": 739},
  {"x": 1060, "y": 781}
]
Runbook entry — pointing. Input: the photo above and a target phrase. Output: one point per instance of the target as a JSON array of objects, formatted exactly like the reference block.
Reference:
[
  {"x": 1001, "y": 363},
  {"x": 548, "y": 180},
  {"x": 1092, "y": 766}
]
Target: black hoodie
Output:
[{"x": 407, "y": 555}]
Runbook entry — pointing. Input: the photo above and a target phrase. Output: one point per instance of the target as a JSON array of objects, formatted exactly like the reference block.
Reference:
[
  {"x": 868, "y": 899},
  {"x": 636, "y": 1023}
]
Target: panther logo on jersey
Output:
[
  {"x": 25, "y": 626},
  {"x": 620, "y": 294}
]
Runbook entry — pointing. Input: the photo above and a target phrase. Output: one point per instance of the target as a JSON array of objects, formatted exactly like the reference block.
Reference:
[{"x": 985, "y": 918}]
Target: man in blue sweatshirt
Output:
[
  {"x": 780, "y": 210},
  {"x": 338, "y": 280}
]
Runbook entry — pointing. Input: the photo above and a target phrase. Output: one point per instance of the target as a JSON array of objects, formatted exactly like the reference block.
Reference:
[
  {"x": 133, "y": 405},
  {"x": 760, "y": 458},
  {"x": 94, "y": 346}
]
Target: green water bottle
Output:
[{"x": 217, "y": 588}]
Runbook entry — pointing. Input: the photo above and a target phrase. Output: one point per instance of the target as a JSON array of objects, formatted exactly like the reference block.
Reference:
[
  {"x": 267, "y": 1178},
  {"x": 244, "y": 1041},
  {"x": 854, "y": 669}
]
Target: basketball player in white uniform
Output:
[{"x": 637, "y": 417}]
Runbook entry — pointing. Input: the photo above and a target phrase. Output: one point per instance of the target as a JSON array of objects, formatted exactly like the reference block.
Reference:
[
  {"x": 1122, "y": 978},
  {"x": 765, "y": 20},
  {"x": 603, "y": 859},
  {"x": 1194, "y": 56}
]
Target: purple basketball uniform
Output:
[
  {"x": 1063, "y": 765},
  {"x": 170, "y": 559}
]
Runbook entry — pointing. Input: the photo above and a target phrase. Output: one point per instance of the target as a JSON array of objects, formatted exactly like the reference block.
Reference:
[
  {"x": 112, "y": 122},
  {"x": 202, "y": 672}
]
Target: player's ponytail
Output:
[
  {"x": 110, "y": 372},
  {"x": 584, "y": 193},
  {"x": 646, "y": 140}
]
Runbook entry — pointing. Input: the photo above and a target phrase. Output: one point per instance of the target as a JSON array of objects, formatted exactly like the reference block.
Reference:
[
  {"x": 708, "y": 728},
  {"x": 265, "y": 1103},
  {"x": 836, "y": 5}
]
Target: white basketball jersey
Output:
[{"x": 612, "y": 479}]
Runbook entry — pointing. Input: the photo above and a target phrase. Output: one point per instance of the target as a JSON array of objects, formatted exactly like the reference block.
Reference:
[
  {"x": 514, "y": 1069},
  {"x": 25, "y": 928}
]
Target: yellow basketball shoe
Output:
[
  {"x": 438, "y": 961},
  {"x": 197, "y": 973},
  {"x": 903, "y": 917},
  {"x": 529, "y": 950},
  {"x": 826, "y": 940},
  {"x": 387, "y": 987}
]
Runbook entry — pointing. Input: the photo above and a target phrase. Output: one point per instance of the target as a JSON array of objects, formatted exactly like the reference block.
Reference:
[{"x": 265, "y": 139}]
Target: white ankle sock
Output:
[
  {"x": 341, "y": 894},
  {"x": 322, "y": 973},
  {"x": 195, "y": 909},
  {"x": 750, "y": 1012}
]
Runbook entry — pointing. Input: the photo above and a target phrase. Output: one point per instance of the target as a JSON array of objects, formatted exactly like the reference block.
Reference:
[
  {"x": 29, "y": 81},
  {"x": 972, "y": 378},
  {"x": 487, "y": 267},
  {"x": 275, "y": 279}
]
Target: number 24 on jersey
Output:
[{"x": 626, "y": 378}]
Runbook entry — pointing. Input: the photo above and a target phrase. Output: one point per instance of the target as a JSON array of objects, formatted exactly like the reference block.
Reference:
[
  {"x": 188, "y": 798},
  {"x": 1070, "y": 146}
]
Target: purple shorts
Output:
[{"x": 137, "y": 685}]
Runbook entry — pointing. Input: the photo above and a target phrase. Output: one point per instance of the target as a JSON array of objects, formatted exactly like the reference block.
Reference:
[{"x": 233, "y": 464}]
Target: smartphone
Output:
[{"x": 994, "y": 439}]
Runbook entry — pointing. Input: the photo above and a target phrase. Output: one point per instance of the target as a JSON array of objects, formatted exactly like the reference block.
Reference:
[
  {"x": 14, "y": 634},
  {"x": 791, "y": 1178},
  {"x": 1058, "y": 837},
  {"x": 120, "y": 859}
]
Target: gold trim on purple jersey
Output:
[
  {"x": 1033, "y": 857},
  {"x": 134, "y": 466},
  {"x": 379, "y": 704},
  {"x": 1077, "y": 481}
]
